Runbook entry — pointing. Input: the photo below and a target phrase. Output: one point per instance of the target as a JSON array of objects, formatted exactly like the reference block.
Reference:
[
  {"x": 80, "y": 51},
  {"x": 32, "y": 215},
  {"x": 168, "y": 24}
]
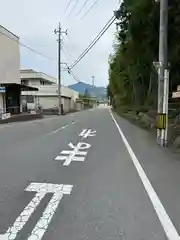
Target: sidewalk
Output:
[
  {"x": 161, "y": 165},
  {"x": 22, "y": 117}
]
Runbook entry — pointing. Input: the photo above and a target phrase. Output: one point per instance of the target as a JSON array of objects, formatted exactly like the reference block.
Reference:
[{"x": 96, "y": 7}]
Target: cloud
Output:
[{"x": 34, "y": 22}]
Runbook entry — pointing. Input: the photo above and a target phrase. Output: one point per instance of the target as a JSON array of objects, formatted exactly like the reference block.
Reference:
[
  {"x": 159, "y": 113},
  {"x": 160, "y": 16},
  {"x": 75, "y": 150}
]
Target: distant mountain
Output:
[{"x": 85, "y": 88}]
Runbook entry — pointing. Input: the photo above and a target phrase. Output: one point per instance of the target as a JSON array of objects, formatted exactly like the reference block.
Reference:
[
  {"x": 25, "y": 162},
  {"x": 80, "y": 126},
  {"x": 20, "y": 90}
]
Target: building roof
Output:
[
  {"x": 21, "y": 86},
  {"x": 9, "y": 31},
  {"x": 27, "y": 71},
  {"x": 32, "y": 74}
]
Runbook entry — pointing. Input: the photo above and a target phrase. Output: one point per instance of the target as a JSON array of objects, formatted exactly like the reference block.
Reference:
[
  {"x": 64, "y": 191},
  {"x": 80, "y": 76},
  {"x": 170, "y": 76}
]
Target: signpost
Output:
[{"x": 2, "y": 89}]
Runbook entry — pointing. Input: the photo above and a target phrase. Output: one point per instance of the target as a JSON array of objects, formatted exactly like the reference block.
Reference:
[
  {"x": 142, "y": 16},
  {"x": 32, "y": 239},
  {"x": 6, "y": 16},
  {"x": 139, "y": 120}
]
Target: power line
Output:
[
  {"x": 68, "y": 69},
  {"x": 95, "y": 40},
  {"x": 67, "y": 6},
  {"x": 83, "y": 6},
  {"x": 29, "y": 48},
  {"x": 71, "y": 72},
  {"x": 66, "y": 52},
  {"x": 39, "y": 53},
  {"x": 92, "y": 6},
  {"x": 73, "y": 8},
  {"x": 74, "y": 77},
  {"x": 91, "y": 44}
]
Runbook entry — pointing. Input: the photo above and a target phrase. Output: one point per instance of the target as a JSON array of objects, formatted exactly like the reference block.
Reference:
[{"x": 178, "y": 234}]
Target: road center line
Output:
[
  {"x": 57, "y": 130},
  {"x": 165, "y": 220},
  {"x": 64, "y": 127}
]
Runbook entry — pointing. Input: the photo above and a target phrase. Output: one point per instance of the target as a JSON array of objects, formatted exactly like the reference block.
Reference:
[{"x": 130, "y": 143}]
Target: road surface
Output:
[{"x": 86, "y": 176}]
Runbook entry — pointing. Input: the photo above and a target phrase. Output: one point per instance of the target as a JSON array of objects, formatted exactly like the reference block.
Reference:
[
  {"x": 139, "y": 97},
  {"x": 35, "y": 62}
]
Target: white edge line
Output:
[{"x": 165, "y": 220}]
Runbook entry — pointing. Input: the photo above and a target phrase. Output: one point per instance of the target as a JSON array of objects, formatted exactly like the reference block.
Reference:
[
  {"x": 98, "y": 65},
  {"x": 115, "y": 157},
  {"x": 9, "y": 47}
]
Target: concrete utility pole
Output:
[
  {"x": 59, "y": 32},
  {"x": 163, "y": 60},
  {"x": 93, "y": 81}
]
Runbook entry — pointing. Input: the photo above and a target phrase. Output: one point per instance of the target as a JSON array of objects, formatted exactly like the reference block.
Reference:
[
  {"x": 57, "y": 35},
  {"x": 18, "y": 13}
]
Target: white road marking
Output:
[
  {"x": 64, "y": 127},
  {"x": 50, "y": 210},
  {"x": 23, "y": 218},
  {"x": 42, "y": 189},
  {"x": 165, "y": 220},
  {"x": 72, "y": 154},
  {"x": 87, "y": 133},
  {"x": 57, "y": 130}
]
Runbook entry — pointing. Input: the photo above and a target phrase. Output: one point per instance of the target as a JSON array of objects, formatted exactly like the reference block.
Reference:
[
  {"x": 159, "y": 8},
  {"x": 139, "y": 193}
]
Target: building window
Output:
[
  {"x": 27, "y": 98},
  {"x": 24, "y": 82},
  {"x": 42, "y": 82}
]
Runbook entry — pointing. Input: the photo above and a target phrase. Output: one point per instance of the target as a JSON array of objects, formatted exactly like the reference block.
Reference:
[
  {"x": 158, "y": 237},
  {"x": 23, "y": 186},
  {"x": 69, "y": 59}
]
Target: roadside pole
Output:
[
  {"x": 166, "y": 85},
  {"x": 93, "y": 78},
  {"x": 163, "y": 62},
  {"x": 59, "y": 32}
]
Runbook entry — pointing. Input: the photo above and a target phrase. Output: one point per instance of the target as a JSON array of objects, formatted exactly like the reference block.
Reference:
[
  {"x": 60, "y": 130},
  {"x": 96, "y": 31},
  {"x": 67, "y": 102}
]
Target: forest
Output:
[{"x": 133, "y": 78}]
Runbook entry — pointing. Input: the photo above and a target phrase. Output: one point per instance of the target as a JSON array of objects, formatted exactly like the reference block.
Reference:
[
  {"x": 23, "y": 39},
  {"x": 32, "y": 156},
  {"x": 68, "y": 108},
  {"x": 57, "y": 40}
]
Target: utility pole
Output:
[
  {"x": 163, "y": 60},
  {"x": 93, "y": 81},
  {"x": 59, "y": 32}
]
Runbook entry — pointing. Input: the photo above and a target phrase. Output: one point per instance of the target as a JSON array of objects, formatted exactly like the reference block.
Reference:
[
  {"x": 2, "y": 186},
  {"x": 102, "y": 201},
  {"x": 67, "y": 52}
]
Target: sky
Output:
[{"x": 34, "y": 22}]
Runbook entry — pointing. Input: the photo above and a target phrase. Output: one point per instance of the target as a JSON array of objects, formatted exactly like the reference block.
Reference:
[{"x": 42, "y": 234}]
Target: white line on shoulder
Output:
[{"x": 165, "y": 220}]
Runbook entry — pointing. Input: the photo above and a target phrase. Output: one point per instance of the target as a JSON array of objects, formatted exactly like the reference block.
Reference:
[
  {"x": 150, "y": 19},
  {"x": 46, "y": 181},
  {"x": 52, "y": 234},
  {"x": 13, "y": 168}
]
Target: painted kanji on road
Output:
[
  {"x": 40, "y": 190},
  {"x": 87, "y": 133},
  {"x": 76, "y": 154}
]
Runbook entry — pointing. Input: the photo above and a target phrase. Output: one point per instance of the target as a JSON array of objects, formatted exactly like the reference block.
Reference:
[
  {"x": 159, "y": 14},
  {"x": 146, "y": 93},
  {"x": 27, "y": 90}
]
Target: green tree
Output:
[{"x": 132, "y": 76}]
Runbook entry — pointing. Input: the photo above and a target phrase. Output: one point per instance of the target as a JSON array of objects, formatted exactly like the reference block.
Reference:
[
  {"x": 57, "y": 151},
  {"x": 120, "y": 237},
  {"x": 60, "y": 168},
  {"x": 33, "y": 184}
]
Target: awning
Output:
[{"x": 22, "y": 87}]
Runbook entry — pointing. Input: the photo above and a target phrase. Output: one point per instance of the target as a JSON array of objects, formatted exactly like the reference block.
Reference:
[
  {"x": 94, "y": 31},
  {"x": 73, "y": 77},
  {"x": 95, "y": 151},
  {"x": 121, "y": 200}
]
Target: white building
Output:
[
  {"x": 10, "y": 82},
  {"x": 47, "y": 94},
  {"x": 177, "y": 93}
]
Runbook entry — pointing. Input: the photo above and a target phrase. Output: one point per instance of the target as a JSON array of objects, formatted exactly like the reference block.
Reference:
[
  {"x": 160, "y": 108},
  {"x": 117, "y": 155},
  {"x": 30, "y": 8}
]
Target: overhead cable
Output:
[
  {"x": 68, "y": 54},
  {"x": 83, "y": 6},
  {"x": 95, "y": 40},
  {"x": 92, "y": 6},
  {"x": 73, "y": 76},
  {"x": 37, "y": 52},
  {"x": 29, "y": 48},
  {"x": 73, "y": 8},
  {"x": 67, "y": 6}
]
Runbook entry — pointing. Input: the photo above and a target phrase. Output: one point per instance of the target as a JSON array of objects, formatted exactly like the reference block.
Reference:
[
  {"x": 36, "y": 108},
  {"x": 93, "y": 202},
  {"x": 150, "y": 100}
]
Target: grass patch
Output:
[{"x": 135, "y": 117}]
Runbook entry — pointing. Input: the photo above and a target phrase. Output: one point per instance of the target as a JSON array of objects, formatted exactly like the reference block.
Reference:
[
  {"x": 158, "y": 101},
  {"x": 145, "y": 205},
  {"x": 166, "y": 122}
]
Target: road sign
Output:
[{"x": 2, "y": 89}]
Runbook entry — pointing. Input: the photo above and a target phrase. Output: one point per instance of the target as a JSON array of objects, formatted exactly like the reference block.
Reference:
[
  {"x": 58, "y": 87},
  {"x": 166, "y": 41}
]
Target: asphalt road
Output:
[{"x": 114, "y": 184}]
